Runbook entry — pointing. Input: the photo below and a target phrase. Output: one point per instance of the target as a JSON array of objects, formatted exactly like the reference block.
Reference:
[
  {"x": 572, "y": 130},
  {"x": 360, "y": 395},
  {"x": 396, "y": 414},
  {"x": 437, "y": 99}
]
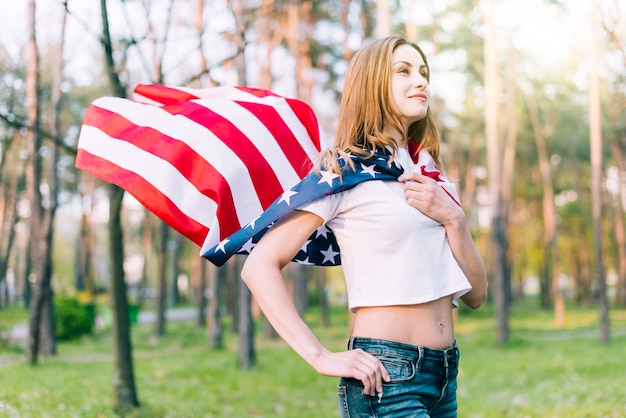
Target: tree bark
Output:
[
  {"x": 494, "y": 157},
  {"x": 620, "y": 228},
  {"x": 215, "y": 331},
  {"x": 41, "y": 321},
  {"x": 8, "y": 212},
  {"x": 159, "y": 324},
  {"x": 551, "y": 264},
  {"x": 124, "y": 392},
  {"x": 383, "y": 18},
  {"x": 247, "y": 355},
  {"x": 595, "y": 139},
  {"x": 199, "y": 279},
  {"x": 582, "y": 256},
  {"x": 175, "y": 247}
]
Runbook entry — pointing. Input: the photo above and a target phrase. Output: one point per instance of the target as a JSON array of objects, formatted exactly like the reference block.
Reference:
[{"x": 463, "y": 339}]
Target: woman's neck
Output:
[{"x": 401, "y": 140}]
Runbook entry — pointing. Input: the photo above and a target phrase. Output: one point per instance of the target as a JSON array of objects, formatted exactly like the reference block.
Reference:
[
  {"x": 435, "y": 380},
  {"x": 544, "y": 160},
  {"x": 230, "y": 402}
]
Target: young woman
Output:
[{"x": 406, "y": 249}]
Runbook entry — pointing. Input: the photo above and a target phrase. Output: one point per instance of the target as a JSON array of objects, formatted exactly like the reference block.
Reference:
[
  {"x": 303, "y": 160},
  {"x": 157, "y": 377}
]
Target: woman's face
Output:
[{"x": 409, "y": 84}]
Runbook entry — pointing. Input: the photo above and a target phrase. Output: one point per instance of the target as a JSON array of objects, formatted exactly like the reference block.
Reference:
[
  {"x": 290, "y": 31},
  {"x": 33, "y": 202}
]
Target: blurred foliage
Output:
[{"x": 73, "y": 319}]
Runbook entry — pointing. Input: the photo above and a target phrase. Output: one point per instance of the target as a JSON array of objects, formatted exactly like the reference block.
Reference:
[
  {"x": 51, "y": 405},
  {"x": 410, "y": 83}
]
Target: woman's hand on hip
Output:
[{"x": 356, "y": 364}]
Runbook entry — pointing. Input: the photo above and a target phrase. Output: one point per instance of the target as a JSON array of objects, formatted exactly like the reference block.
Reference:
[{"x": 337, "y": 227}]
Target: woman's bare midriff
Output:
[{"x": 427, "y": 324}]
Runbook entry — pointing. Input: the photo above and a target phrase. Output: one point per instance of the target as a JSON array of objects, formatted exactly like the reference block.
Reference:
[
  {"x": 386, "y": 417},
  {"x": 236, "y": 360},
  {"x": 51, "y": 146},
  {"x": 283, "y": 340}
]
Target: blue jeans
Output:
[{"x": 423, "y": 382}]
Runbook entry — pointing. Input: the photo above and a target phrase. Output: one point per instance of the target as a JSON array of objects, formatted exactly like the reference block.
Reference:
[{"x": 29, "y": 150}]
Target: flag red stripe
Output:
[
  {"x": 300, "y": 109},
  {"x": 144, "y": 192},
  {"x": 163, "y": 94},
  {"x": 284, "y": 137},
  {"x": 196, "y": 169},
  {"x": 266, "y": 184}
]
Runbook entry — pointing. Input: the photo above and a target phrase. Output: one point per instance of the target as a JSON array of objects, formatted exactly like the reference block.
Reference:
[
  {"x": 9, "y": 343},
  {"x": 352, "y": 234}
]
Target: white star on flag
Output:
[
  {"x": 328, "y": 177},
  {"x": 248, "y": 246},
  {"x": 287, "y": 196},
  {"x": 322, "y": 231},
  {"x": 329, "y": 254},
  {"x": 220, "y": 246},
  {"x": 369, "y": 169}
]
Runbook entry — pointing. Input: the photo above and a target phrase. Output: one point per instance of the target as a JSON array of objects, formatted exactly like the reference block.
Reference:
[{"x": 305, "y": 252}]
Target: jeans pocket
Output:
[
  {"x": 399, "y": 368},
  {"x": 352, "y": 401},
  {"x": 342, "y": 397}
]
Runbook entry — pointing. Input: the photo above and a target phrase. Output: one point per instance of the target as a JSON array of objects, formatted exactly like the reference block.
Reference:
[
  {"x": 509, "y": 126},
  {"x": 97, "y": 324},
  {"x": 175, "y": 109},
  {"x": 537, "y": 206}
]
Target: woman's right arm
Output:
[{"x": 262, "y": 274}]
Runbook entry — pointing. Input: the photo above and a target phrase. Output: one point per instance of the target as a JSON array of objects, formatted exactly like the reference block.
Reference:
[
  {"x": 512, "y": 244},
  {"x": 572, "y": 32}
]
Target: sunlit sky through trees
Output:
[{"x": 550, "y": 32}]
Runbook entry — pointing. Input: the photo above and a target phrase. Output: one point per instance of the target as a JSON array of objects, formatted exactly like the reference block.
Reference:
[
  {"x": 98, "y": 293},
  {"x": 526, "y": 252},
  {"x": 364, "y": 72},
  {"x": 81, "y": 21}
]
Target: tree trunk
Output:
[
  {"x": 48, "y": 332},
  {"x": 620, "y": 228},
  {"x": 247, "y": 356},
  {"x": 175, "y": 247},
  {"x": 199, "y": 279},
  {"x": 506, "y": 185},
  {"x": 582, "y": 256},
  {"x": 383, "y": 18},
  {"x": 146, "y": 248},
  {"x": 299, "y": 278},
  {"x": 298, "y": 40},
  {"x": 323, "y": 299},
  {"x": 124, "y": 392},
  {"x": 595, "y": 139},
  {"x": 159, "y": 324},
  {"x": 215, "y": 331},
  {"x": 501, "y": 223},
  {"x": 551, "y": 268},
  {"x": 8, "y": 212},
  {"x": 494, "y": 157},
  {"x": 41, "y": 320}
]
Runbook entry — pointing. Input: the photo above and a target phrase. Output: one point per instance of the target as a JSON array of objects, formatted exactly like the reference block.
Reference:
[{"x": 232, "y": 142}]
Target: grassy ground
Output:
[{"x": 541, "y": 372}]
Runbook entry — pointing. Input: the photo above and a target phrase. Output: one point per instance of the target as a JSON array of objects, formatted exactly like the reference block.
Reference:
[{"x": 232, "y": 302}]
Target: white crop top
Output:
[{"x": 391, "y": 253}]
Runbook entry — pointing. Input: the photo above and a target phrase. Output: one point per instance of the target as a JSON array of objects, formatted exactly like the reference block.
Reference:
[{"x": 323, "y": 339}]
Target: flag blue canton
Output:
[{"x": 321, "y": 248}]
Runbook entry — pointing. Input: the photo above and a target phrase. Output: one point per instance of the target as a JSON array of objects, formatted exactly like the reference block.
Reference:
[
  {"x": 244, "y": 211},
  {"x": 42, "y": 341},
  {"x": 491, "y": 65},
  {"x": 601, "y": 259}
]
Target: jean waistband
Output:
[{"x": 448, "y": 355}]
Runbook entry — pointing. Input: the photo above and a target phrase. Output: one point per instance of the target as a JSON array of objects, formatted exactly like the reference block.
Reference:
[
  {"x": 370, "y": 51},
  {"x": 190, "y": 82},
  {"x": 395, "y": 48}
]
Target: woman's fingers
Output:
[
  {"x": 357, "y": 364},
  {"x": 372, "y": 372}
]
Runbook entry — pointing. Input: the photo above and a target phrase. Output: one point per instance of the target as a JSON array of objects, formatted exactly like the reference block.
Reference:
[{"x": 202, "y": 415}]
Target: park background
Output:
[{"x": 104, "y": 310}]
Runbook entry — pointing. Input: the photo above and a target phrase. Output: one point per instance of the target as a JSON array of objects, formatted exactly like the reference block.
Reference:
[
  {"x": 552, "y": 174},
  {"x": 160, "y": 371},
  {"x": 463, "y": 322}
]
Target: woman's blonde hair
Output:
[{"x": 367, "y": 108}]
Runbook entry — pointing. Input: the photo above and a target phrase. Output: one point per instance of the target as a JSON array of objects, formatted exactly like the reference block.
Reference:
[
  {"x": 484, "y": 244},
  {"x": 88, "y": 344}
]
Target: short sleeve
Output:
[{"x": 326, "y": 207}]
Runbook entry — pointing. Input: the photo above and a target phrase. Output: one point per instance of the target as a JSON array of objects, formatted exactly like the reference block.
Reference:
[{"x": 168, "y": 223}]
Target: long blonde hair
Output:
[{"x": 367, "y": 107}]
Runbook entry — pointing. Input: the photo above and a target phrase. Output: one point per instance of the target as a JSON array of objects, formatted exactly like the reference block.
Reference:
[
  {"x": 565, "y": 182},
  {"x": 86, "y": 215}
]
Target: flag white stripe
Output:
[{"x": 160, "y": 173}]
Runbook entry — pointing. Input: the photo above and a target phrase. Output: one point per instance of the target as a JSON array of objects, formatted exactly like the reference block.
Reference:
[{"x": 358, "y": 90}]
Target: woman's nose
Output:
[{"x": 420, "y": 81}]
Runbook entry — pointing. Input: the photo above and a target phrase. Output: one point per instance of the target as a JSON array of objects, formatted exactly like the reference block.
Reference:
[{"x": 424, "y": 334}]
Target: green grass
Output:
[{"x": 541, "y": 372}]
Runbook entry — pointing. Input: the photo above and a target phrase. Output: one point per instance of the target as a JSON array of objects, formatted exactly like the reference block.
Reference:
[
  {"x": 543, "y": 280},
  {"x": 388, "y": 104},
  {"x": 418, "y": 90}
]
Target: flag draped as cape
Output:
[
  {"x": 221, "y": 165},
  {"x": 205, "y": 161}
]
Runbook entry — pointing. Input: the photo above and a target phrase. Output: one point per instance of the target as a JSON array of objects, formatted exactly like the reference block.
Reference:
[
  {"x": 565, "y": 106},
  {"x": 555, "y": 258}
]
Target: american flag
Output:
[
  {"x": 205, "y": 161},
  {"x": 221, "y": 165}
]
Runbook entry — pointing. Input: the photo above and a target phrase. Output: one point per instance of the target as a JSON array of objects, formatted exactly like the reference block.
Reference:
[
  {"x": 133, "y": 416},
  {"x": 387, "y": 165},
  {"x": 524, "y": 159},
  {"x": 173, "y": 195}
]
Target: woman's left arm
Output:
[{"x": 430, "y": 198}]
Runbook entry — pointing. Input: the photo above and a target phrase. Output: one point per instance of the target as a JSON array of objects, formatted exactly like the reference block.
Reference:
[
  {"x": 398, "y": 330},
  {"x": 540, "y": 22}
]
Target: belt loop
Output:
[
  {"x": 351, "y": 343},
  {"x": 420, "y": 357}
]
